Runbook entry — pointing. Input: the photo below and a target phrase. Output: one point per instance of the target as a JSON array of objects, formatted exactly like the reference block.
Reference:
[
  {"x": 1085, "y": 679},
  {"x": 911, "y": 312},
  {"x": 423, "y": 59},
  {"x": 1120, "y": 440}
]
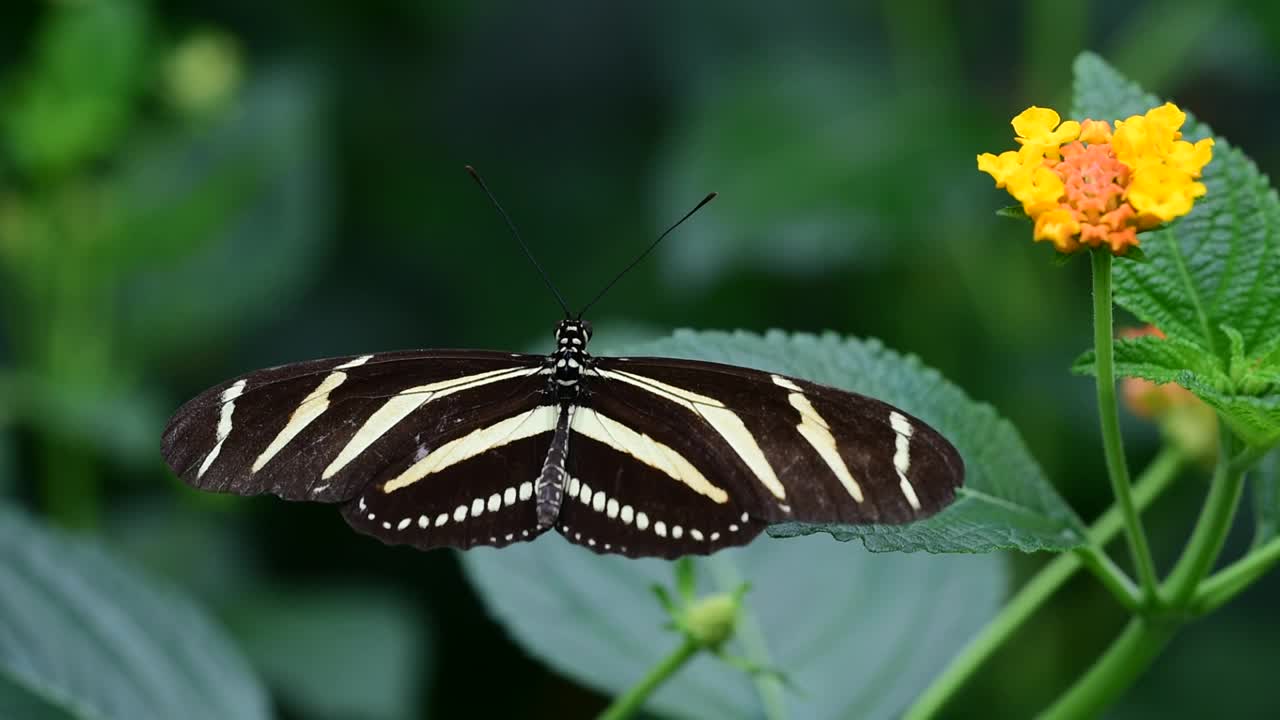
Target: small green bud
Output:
[{"x": 711, "y": 620}]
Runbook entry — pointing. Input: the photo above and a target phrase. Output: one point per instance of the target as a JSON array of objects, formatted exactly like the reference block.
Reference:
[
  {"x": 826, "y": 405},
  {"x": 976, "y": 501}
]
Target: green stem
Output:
[
  {"x": 631, "y": 701},
  {"x": 751, "y": 640},
  {"x": 1109, "y": 418},
  {"x": 1226, "y": 584},
  {"x": 1147, "y": 635},
  {"x": 1152, "y": 483},
  {"x": 1215, "y": 521},
  {"x": 1127, "y": 658},
  {"x": 1111, "y": 576}
]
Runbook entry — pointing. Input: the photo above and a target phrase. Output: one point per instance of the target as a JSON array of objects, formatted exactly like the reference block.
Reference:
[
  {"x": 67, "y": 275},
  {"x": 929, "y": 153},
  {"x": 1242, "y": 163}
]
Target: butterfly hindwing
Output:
[
  {"x": 617, "y": 503},
  {"x": 475, "y": 486}
]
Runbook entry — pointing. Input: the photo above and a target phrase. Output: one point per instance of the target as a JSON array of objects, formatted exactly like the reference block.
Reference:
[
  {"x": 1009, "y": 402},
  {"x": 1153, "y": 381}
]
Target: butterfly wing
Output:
[
  {"x": 322, "y": 430},
  {"x": 699, "y": 445}
]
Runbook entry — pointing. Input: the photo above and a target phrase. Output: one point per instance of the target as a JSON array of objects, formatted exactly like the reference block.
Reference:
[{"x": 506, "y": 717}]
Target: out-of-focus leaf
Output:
[
  {"x": 1266, "y": 498},
  {"x": 229, "y": 564},
  {"x": 1006, "y": 502},
  {"x": 118, "y": 421},
  {"x": 22, "y": 702},
  {"x": 229, "y": 222},
  {"x": 78, "y": 626},
  {"x": 8, "y": 463},
  {"x": 338, "y": 653},
  {"x": 795, "y": 196},
  {"x": 76, "y": 99},
  {"x": 1221, "y": 666},
  {"x": 857, "y": 634}
]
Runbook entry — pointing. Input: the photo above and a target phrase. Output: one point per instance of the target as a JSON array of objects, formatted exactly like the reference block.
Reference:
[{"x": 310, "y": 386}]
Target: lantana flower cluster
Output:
[{"x": 1087, "y": 185}]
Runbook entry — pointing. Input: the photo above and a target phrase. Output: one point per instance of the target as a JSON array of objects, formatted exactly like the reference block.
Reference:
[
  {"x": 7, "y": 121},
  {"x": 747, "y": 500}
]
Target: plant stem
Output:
[
  {"x": 1147, "y": 634},
  {"x": 1111, "y": 576},
  {"x": 751, "y": 639},
  {"x": 1127, "y": 658},
  {"x": 1152, "y": 483},
  {"x": 1226, "y": 584},
  {"x": 1215, "y": 521},
  {"x": 633, "y": 699},
  {"x": 1109, "y": 419}
]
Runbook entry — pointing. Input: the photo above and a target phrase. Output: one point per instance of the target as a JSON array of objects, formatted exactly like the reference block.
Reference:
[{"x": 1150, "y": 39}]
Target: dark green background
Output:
[{"x": 149, "y": 249}]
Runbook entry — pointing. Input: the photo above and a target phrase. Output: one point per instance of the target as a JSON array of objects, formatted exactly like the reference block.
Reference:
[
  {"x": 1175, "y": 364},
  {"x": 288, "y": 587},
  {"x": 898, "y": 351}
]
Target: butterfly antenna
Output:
[
  {"x": 643, "y": 255},
  {"x": 516, "y": 234}
]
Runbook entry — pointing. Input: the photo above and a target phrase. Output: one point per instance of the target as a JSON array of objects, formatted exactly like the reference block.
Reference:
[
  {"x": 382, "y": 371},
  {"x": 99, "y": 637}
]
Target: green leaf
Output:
[
  {"x": 1266, "y": 498},
  {"x": 18, "y": 700},
  {"x": 856, "y": 634},
  {"x": 8, "y": 459},
  {"x": 1255, "y": 419},
  {"x": 1218, "y": 265},
  {"x": 1006, "y": 502},
  {"x": 1014, "y": 212},
  {"x": 1213, "y": 280},
  {"x": 1155, "y": 359},
  {"x": 76, "y": 100},
  {"x": 81, "y": 628},
  {"x": 332, "y": 652}
]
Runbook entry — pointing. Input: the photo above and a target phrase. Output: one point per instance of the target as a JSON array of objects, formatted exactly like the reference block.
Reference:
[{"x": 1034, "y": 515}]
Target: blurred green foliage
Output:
[{"x": 192, "y": 189}]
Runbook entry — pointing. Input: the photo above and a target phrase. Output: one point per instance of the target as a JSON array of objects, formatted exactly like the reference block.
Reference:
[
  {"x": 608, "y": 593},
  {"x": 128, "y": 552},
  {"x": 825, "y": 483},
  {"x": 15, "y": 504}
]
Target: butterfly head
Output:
[
  {"x": 569, "y": 358},
  {"x": 572, "y": 335}
]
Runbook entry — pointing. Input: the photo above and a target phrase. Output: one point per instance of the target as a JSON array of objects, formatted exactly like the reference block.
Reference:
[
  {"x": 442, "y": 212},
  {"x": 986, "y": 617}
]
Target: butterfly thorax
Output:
[{"x": 568, "y": 360}]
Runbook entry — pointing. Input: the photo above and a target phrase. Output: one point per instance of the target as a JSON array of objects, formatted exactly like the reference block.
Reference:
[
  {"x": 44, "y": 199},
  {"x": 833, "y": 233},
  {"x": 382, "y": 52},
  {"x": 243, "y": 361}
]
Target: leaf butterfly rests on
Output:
[{"x": 637, "y": 456}]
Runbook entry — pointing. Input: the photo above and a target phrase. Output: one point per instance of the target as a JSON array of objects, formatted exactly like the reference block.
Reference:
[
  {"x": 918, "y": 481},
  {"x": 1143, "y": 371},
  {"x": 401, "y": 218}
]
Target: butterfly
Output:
[{"x": 639, "y": 456}]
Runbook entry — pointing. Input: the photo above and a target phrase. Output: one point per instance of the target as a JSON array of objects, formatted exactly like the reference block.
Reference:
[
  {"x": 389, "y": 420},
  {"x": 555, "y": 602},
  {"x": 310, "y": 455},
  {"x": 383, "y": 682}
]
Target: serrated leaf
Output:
[
  {"x": 1266, "y": 498},
  {"x": 1006, "y": 502},
  {"x": 1255, "y": 419},
  {"x": 1218, "y": 265},
  {"x": 101, "y": 640},
  {"x": 335, "y": 652},
  {"x": 856, "y": 634},
  {"x": 1213, "y": 280},
  {"x": 1156, "y": 359}
]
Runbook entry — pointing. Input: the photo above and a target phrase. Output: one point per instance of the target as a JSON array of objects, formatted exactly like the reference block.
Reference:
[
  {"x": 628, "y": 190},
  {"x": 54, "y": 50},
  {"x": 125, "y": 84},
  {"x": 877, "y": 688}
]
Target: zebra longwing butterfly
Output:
[{"x": 637, "y": 456}]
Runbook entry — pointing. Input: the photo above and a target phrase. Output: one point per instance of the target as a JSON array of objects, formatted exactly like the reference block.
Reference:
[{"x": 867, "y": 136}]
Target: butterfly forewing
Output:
[
  {"x": 321, "y": 430},
  {"x": 795, "y": 450}
]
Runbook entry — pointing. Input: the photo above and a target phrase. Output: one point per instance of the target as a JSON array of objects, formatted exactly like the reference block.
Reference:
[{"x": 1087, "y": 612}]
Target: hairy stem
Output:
[{"x": 1109, "y": 419}]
